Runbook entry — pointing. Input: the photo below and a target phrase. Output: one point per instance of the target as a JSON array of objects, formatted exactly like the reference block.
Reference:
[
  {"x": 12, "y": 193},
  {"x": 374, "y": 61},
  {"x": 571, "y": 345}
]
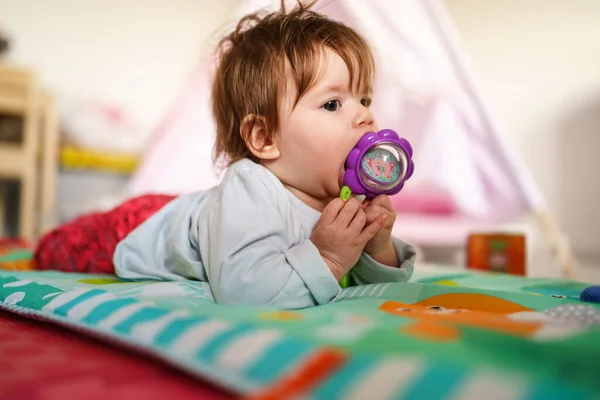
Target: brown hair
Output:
[{"x": 250, "y": 77}]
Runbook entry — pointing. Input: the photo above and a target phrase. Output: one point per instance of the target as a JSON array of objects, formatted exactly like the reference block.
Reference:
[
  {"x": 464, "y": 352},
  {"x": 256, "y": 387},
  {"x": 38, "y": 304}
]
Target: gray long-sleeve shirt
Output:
[{"x": 249, "y": 238}]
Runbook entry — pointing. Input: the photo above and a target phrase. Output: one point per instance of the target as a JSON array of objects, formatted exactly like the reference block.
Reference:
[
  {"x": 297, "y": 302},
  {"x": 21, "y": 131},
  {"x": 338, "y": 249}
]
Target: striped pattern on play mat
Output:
[{"x": 444, "y": 336}]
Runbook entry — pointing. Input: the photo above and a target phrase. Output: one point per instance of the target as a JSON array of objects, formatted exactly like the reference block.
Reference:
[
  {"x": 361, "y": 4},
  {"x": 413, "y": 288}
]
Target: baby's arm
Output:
[{"x": 248, "y": 257}]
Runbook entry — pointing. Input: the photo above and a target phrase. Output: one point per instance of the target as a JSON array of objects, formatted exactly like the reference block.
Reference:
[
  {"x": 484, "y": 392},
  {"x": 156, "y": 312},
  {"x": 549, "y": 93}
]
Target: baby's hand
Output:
[
  {"x": 381, "y": 247},
  {"x": 341, "y": 234}
]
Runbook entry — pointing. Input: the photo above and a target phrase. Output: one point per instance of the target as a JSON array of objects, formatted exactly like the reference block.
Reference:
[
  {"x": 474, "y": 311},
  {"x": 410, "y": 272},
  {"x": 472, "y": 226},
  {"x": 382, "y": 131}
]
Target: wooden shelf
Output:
[
  {"x": 34, "y": 161},
  {"x": 11, "y": 106},
  {"x": 12, "y": 158}
]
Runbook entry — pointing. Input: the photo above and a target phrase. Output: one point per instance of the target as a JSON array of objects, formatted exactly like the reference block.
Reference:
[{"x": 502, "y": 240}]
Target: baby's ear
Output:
[{"x": 255, "y": 133}]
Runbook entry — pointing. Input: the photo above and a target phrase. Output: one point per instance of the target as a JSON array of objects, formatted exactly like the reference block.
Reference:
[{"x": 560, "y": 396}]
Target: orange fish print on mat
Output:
[{"x": 440, "y": 318}]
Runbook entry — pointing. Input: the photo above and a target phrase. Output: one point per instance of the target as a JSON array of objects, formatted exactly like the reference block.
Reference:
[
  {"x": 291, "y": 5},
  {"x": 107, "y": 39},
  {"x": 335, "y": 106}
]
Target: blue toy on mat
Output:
[{"x": 591, "y": 294}]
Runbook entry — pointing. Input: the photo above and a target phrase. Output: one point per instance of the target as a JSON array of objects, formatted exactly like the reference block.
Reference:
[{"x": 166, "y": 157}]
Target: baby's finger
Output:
[
  {"x": 374, "y": 211},
  {"x": 383, "y": 201},
  {"x": 331, "y": 211},
  {"x": 372, "y": 229},
  {"x": 348, "y": 211},
  {"x": 359, "y": 220}
]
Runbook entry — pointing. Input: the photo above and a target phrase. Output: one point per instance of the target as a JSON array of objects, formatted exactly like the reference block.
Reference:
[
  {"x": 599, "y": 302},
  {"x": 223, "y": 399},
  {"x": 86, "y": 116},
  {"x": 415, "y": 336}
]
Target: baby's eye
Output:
[
  {"x": 332, "y": 105},
  {"x": 365, "y": 102}
]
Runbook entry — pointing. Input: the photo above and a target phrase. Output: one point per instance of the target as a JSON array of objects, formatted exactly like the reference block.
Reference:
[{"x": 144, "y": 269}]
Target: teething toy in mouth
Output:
[{"x": 380, "y": 163}]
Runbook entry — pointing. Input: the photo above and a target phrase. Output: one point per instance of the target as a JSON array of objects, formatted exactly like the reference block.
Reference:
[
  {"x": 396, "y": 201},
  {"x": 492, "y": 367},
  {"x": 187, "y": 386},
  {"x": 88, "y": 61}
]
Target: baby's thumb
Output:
[{"x": 373, "y": 228}]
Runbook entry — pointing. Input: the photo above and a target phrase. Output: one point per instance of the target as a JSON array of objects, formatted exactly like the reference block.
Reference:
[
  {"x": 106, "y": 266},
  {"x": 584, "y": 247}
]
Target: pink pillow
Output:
[{"x": 423, "y": 200}]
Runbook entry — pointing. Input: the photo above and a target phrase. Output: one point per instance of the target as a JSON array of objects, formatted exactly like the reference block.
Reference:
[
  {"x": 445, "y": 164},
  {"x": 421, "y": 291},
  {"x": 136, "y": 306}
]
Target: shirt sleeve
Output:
[
  {"x": 159, "y": 249},
  {"x": 367, "y": 270},
  {"x": 250, "y": 258}
]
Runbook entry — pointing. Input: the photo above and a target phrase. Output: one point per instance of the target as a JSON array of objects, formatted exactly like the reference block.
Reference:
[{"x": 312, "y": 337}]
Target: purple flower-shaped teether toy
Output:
[{"x": 379, "y": 164}]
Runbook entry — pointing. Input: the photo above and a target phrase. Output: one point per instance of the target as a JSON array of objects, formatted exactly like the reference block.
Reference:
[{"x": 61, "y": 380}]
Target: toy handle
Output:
[{"x": 345, "y": 193}]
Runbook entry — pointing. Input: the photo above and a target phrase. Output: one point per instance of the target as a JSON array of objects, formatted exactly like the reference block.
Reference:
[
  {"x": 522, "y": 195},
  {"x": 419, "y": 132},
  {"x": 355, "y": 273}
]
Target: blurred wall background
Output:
[
  {"x": 539, "y": 67},
  {"x": 134, "y": 53}
]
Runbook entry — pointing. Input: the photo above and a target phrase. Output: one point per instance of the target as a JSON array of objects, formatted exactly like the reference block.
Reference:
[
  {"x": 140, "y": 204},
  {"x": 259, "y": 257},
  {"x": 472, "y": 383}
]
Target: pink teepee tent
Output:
[{"x": 465, "y": 179}]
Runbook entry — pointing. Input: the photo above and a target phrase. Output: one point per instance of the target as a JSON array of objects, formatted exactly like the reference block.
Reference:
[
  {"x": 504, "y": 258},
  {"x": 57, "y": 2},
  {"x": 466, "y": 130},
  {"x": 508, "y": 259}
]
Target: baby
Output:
[{"x": 291, "y": 98}]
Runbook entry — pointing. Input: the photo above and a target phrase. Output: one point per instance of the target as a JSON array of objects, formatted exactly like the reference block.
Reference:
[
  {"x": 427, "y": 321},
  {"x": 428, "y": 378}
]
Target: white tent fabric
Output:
[{"x": 424, "y": 91}]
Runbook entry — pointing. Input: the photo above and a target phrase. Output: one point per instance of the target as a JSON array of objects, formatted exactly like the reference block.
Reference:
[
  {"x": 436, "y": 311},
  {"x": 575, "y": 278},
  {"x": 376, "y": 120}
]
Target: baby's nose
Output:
[{"x": 364, "y": 116}]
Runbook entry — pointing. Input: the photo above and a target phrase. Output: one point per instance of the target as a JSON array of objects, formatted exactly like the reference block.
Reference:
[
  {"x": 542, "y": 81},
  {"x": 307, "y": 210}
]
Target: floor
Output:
[
  {"x": 590, "y": 272},
  {"x": 41, "y": 361}
]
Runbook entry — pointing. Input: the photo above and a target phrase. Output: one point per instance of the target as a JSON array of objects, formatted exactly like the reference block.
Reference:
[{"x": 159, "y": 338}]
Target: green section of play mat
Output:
[{"x": 446, "y": 334}]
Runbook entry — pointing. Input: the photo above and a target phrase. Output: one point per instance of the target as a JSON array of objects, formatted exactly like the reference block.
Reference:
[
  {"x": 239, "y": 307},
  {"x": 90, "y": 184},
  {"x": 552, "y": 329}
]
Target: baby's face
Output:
[{"x": 316, "y": 136}]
